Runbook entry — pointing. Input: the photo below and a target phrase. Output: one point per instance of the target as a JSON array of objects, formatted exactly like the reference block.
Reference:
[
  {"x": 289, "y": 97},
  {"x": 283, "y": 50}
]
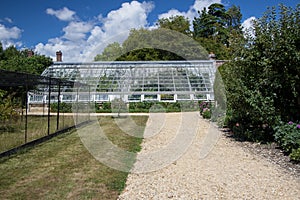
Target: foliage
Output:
[
  {"x": 110, "y": 53},
  {"x": 148, "y": 54},
  {"x": 295, "y": 155},
  {"x": 219, "y": 49},
  {"x": 287, "y": 136},
  {"x": 205, "y": 109},
  {"x": 8, "y": 109},
  {"x": 166, "y": 40},
  {"x": 148, "y": 106},
  {"x": 156, "y": 44},
  {"x": 217, "y": 23},
  {"x": 213, "y": 31},
  {"x": 262, "y": 83},
  {"x": 206, "y": 113},
  {"x": 204, "y": 105},
  {"x": 105, "y": 107},
  {"x": 175, "y": 23},
  {"x": 14, "y": 60},
  {"x": 219, "y": 91},
  {"x": 63, "y": 107}
]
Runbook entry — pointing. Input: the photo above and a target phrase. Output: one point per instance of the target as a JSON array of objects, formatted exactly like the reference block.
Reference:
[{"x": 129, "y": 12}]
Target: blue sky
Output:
[{"x": 76, "y": 26}]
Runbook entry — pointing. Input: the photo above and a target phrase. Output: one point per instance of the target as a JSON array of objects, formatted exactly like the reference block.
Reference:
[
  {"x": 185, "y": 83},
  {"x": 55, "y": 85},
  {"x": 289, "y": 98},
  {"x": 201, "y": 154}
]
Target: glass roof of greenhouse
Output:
[
  {"x": 140, "y": 77},
  {"x": 19, "y": 79}
]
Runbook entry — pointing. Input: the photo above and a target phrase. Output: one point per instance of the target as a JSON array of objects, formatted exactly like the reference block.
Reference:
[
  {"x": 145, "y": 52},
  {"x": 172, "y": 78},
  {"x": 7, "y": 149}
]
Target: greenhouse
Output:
[{"x": 133, "y": 81}]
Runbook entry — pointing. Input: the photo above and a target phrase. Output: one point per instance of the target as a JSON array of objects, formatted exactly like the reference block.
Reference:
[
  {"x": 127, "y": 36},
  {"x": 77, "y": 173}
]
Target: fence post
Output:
[
  {"x": 26, "y": 109},
  {"x": 89, "y": 104},
  {"x": 58, "y": 107},
  {"x": 49, "y": 105}
]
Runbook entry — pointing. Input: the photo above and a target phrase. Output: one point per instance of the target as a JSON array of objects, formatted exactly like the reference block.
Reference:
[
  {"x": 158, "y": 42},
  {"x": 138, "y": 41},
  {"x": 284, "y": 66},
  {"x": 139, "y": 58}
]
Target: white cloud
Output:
[
  {"x": 193, "y": 10},
  {"x": 8, "y": 35},
  {"x": 9, "y": 20},
  {"x": 248, "y": 26},
  {"x": 130, "y": 15},
  {"x": 83, "y": 40},
  {"x": 170, "y": 13},
  {"x": 77, "y": 30},
  {"x": 63, "y": 14}
]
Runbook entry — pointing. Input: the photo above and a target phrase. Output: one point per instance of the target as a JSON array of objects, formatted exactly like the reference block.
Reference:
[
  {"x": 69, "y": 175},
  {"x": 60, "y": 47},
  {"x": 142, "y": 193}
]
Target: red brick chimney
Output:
[{"x": 58, "y": 56}]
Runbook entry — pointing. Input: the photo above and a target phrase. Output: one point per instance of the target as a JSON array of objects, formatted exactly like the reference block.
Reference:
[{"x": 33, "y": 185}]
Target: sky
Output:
[{"x": 82, "y": 28}]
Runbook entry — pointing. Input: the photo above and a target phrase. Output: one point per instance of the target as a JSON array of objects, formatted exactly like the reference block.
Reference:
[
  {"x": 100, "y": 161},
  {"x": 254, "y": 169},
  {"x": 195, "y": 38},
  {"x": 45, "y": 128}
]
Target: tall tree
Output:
[
  {"x": 234, "y": 17},
  {"x": 217, "y": 23},
  {"x": 160, "y": 44},
  {"x": 110, "y": 53},
  {"x": 1, "y": 51},
  {"x": 14, "y": 60},
  {"x": 169, "y": 42},
  {"x": 176, "y": 23}
]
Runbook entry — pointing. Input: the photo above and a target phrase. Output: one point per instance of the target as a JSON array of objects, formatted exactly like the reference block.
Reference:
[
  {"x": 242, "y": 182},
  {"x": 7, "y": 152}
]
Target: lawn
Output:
[
  {"x": 12, "y": 134},
  {"x": 62, "y": 168}
]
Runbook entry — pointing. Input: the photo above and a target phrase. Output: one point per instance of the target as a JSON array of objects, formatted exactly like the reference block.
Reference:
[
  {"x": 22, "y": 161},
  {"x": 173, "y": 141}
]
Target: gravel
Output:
[{"x": 213, "y": 167}]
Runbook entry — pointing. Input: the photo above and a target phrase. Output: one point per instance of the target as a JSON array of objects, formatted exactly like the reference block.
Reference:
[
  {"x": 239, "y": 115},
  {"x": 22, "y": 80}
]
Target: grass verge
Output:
[
  {"x": 62, "y": 168},
  {"x": 37, "y": 127}
]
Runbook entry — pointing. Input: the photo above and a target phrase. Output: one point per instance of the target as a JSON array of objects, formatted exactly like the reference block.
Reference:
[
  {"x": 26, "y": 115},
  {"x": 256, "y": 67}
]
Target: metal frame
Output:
[
  {"x": 35, "y": 85},
  {"x": 122, "y": 79}
]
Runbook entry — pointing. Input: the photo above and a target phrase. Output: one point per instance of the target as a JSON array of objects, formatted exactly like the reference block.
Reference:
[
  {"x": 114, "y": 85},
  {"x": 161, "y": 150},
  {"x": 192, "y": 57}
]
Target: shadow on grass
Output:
[{"x": 62, "y": 168}]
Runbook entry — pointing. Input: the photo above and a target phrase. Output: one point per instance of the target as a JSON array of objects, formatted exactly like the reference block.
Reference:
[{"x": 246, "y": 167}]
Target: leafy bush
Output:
[
  {"x": 10, "y": 108},
  {"x": 206, "y": 109},
  {"x": 262, "y": 82},
  {"x": 295, "y": 155},
  {"x": 204, "y": 105},
  {"x": 288, "y": 136},
  {"x": 140, "y": 106},
  {"x": 147, "y": 106},
  {"x": 105, "y": 107},
  {"x": 63, "y": 107},
  {"x": 206, "y": 113}
]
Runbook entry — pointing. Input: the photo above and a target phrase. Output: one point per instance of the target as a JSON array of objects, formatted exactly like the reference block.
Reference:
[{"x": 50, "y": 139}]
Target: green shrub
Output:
[
  {"x": 140, "y": 106},
  {"x": 204, "y": 105},
  {"x": 295, "y": 155},
  {"x": 262, "y": 83},
  {"x": 63, "y": 107},
  {"x": 288, "y": 136},
  {"x": 173, "y": 107},
  {"x": 206, "y": 113},
  {"x": 147, "y": 106},
  {"x": 188, "y": 106},
  {"x": 105, "y": 107}
]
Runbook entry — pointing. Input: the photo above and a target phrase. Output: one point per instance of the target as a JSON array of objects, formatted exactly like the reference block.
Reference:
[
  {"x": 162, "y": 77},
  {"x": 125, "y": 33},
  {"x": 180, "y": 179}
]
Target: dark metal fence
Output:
[{"x": 23, "y": 124}]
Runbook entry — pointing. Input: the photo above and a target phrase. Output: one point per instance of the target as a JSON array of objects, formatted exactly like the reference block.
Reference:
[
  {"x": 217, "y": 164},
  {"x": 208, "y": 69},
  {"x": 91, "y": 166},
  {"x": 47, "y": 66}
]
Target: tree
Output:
[
  {"x": 15, "y": 60},
  {"x": 217, "y": 24},
  {"x": 220, "y": 50},
  {"x": 263, "y": 84},
  {"x": 211, "y": 23},
  {"x": 234, "y": 17},
  {"x": 203, "y": 25},
  {"x": 110, "y": 53},
  {"x": 1, "y": 51},
  {"x": 159, "y": 44},
  {"x": 148, "y": 54},
  {"x": 168, "y": 44},
  {"x": 175, "y": 23}
]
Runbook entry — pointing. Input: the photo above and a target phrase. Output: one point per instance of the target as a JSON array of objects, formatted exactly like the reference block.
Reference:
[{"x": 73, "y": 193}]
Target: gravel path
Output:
[{"x": 226, "y": 172}]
